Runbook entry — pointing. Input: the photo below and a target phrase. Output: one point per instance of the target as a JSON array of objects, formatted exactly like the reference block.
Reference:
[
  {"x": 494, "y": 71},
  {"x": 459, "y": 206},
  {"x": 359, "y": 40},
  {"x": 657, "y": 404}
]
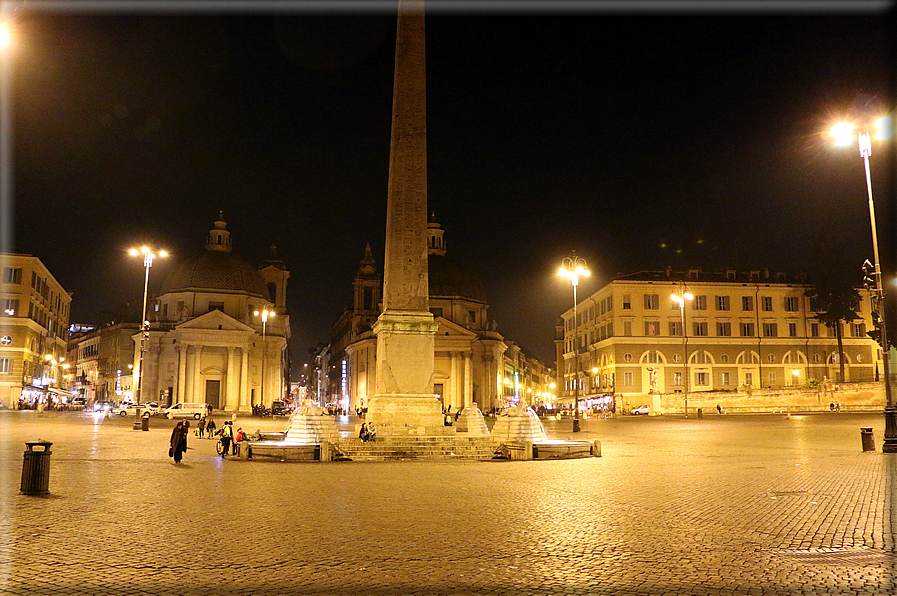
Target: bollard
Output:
[
  {"x": 868, "y": 439},
  {"x": 36, "y": 468},
  {"x": 700, "y": 412}
]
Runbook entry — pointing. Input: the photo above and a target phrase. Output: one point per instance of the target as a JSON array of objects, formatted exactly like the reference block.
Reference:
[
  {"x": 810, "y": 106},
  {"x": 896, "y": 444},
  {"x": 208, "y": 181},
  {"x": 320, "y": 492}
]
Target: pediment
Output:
[
  {"x": 452, "y": 329},
  {"x": 215, "y": 320}
]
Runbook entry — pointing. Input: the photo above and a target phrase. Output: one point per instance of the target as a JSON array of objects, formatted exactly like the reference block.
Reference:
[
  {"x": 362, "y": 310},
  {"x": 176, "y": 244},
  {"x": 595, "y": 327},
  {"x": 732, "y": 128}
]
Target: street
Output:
[{"x": 740, "y": 504}]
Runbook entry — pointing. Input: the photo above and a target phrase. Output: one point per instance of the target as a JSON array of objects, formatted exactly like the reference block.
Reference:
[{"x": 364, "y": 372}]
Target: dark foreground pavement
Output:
[{"x": 724, "y": 505}]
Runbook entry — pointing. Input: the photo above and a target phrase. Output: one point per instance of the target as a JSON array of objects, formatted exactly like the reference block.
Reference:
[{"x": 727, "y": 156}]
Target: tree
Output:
[{"x": 834, "y": 300}]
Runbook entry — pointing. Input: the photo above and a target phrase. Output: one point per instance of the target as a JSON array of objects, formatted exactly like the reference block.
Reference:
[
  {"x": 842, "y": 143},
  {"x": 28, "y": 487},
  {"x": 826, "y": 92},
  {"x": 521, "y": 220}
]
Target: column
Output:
[
  {"x": 197, "y": 396},
  {"x": 468, "y": 385},
  {"x": 182, "y": 374},
  {"x": 230, "y": 393},
  {"x": 455, "y": 385},
  {"x": 244, "y": 379}
]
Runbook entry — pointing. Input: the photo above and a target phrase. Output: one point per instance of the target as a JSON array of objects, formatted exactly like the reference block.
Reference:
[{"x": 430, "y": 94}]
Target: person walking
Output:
[
  {"x": 186, "y": 432},
  {"x": 201, "y": 427},
  {"x": 210, "y": 428},
  {"x": 227, "y": 435},
  {"x": 178, "y": 442}
]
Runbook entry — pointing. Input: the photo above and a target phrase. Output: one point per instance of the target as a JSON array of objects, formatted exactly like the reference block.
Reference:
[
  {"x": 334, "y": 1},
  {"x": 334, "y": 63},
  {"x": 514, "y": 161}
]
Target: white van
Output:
[{"x": 184, "y": 410}]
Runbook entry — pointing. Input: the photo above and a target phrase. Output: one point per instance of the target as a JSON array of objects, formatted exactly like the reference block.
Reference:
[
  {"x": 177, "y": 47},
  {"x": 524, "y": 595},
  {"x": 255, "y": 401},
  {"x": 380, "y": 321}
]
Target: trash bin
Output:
[
  {"x": 144, "y": 422},
  {"x": 868, "y": 439},
  {"x": 700, "y": 412},
  {"x": 36, "y": 468}
]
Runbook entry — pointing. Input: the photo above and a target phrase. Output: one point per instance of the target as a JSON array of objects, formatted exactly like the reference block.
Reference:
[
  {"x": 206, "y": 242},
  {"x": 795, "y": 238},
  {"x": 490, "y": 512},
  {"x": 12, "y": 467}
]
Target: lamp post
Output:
[
  {"x": 148, "y": 256},
  {"x": 265, "y": 313},
  {"x": 680, "y": 296},
  {"x": 572, "y": 268},
  {"x": 843, "y": 134}
]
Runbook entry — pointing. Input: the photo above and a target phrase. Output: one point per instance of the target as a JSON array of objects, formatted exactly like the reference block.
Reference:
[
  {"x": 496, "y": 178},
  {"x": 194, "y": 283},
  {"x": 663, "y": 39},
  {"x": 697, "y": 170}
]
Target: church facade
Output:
[
  {"x": 468, "y": 350},
  {"x": 206, "y": 344}
]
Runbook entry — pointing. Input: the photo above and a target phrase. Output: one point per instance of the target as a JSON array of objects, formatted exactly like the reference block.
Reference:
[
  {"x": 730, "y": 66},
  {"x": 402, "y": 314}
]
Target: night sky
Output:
[{"x": 639, "y": 140}]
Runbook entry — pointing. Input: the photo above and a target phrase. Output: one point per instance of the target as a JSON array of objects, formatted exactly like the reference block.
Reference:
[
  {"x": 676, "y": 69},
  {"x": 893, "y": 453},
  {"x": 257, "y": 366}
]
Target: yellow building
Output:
[
  {"x": 741, "y": 329},
  {"x": 33, "y": 329}
]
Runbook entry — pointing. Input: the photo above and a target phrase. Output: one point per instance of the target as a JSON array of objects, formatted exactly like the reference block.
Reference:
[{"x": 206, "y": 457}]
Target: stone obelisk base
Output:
[{"x": 399, "y": 415}]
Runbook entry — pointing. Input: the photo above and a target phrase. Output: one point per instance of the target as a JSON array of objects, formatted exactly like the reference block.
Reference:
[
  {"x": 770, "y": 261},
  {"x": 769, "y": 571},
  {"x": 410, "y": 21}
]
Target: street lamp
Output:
[
  {"x": 265, "y": 313},
  {"x": 148, "y": 256},
  {"x": 680, "y": 296},
  {"x": 842, "y": 132},
  {"x": 572, "y": 268}
]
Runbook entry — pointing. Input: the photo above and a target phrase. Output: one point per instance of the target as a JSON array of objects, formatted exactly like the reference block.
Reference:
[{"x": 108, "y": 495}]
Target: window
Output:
[
  {"x": 165, "y": 309},
  {"x": 749, "y": 378},
  {"x": 472, "y": 315},
  {"x": 767, "y": 303},
  {"x": 722, "y": 303},
  {"x": 367, "y": 298},
  {"x": 627, "y": 328},
  {"x": 652, "y": 357},
  {"x": 676, "y": 358},
  {"x": 724, "y": 378},
  {"x": 724, "y": 358},
  {"x": 792, "y": 329},
  {"x": 652, "y": 328},
  {"x": 676, "y": 328},
  {"x": 724, "y": 329},
  {"x": 180, "y": 306},
  {"x": 747, "y": 303},
  {"x": 10, "y": 306},
  {"x": 814, "y": 329},
  {"x": 701, "y": 378},
  {"x": 747, "y": 329},
  {"x": 772, "y": 379},
  {"x": 4, "y": 365},
  {"x": 627, "y": 302},
  {"x": 652, "y": 301},
  {"x": 627, "y": 379},
  {"x": 12, "y": 275},
  {"x": 216, "y": 306},
  {"x": 677, "y": 378},
  {"x": 699, "y": 303},
  {"x": 627, "y": 357},
  {"x": 610, "y": 304},
  {"x": 700, "y": 329},
  {"x": 791, "y": 303},
  {"x": 770, "y": 330},
  {"x": 859, "y": 329}
]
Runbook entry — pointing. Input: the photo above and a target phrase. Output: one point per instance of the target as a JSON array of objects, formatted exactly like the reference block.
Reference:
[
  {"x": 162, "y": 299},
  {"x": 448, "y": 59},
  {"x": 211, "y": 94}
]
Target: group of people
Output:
[
  {"x": 835, "y": 406},
  {"x": 367, "y": 432},
  {"x": 229, "y": 440}
]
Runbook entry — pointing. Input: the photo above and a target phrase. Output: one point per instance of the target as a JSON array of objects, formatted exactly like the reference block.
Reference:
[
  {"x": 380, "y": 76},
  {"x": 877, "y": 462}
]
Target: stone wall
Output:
[{"x": 853, "y": 397}]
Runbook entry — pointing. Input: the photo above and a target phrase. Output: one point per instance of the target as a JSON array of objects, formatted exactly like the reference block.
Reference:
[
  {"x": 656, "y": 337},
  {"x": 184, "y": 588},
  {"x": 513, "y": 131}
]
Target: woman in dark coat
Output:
[{"x": 178, "y": 442}]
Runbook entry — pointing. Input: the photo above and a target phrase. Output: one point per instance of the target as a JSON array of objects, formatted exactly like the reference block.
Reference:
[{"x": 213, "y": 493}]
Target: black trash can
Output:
[
  {"x": 36, "y": 468},
  {"x": 868, "y": 439},
  {"x": 700, "y": 412}
]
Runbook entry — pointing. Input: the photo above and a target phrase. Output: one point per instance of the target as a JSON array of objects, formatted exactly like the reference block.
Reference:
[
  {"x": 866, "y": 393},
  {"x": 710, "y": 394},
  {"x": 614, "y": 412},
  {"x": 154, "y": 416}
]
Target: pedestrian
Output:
[
  {"x": 178, "y": 442},
  {"x": 363, "y": 433},
  {"x": 227, "y": 435},
  {"x": 831, "y": 406},
  {"x": 719, "y": 409},
  {"x": 838, "y": 406},
  {"x": 210, "y": 428},
  {"x": 241, "y": 436},
  {"x": 201, "y": 427},
  {"x": 186, "y": 432}
]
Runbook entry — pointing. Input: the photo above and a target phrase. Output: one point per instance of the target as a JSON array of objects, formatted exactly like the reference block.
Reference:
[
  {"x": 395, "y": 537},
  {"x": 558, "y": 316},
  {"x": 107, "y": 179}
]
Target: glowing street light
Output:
[
  {"x": 573, "y": 268},
  {"x": 842, "y": 133},
  {"x": 264, "y": 313},
  {"x": 148, "y": 256},
  {"x": 680, "y": 296}
]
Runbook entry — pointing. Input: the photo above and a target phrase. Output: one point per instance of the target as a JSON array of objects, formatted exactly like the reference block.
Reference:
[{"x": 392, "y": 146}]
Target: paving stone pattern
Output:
[{"x": 752, "y": 505}]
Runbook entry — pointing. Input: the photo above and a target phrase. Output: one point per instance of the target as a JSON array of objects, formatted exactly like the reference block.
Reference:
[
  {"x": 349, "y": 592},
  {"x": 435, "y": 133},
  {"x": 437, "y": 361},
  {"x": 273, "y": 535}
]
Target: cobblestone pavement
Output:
[{"x": 753, "y": 505}]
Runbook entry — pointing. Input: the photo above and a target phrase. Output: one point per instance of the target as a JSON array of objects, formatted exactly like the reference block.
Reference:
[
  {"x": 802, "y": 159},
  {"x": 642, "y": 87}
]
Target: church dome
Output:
[
  {"x": 447, "y": 280},
  {"x": 216, "y": 270}
]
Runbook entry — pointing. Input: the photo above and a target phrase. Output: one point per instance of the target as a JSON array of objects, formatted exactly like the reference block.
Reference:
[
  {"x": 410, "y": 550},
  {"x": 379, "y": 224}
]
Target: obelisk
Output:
[{"x": 404, "y": 401}]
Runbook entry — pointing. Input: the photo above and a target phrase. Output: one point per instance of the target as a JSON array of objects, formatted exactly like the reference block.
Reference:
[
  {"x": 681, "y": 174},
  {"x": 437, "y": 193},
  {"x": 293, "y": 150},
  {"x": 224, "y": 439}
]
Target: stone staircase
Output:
[{"x": 443, "y": 448}]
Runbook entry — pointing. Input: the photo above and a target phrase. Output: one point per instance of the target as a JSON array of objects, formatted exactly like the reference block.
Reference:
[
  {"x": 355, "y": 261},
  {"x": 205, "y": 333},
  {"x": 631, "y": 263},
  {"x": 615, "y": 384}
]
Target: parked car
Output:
[
  {"x": 79, "y": 401},
  {"x": 645, "y": 409},
  {"x": 185, "y": 410},
  {"x": 137, "y": 409},
  {"x": 278, "y": 408}
]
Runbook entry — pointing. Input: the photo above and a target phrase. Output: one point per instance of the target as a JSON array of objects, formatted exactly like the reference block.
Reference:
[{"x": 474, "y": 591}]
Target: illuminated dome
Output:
[{"x": 216, "y": 270}]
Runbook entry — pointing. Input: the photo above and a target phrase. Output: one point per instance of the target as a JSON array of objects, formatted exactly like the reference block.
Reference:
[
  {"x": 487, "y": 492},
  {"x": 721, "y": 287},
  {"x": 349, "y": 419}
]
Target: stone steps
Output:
[{"x": 423, "y": 448}]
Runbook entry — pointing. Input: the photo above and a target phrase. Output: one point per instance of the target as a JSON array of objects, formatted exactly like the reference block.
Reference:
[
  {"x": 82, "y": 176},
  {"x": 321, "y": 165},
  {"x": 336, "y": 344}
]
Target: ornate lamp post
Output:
[
  {"x": 148, "y": 256},
  {"x": 264, "y": 313},
  {"x": 572, "y": 268},
  {"x": 681, "y": 295},
  {"x": 843, "y": 133}
]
